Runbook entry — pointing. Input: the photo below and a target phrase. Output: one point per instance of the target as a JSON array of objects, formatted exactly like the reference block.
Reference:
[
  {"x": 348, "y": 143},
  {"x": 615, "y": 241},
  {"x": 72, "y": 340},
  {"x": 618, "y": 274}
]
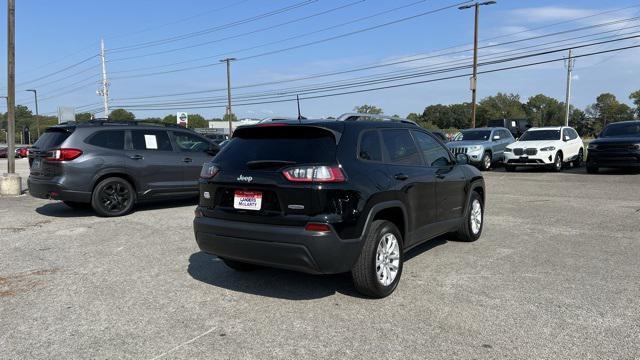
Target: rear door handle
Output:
[
  {"x": 136, "y": 157},
  {"x": 187, "y": 160},
  {"x": 401, "y": 177}
]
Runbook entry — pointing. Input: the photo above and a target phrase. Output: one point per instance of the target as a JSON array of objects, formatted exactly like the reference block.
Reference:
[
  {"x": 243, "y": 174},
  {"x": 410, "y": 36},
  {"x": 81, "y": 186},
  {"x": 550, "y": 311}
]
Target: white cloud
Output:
[{"x": 551, "y": 13}]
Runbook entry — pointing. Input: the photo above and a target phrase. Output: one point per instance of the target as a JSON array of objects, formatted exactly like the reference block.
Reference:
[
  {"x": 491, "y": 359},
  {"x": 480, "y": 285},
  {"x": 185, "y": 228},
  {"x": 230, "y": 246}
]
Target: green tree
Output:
[
  {"x": 83, "y": 117},
  {"x": 499, "y": 106},
  {"x": 608, "y": 109},
  {"x": 414, "y": 117},
  {"x": 635, "y": 97},
  {"x": 122, "y": 115},
  {"x": 438, "y": 115},
  {"x": 196, "y": 121},
  {"x": 543, "y": 110},
  {"x": 233, "y": 117},
  {"x": 368, "y": 109},
  {"x": 170, "y": 119}
]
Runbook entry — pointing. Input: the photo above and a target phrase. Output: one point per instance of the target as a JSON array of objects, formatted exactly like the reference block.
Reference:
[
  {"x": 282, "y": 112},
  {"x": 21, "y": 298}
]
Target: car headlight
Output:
[
  {"x": 548, "y": 148},
  {"x": 474, "y": 148},
  {"x": 592, "y": 146},
  {"x": 508, "y": 150}
]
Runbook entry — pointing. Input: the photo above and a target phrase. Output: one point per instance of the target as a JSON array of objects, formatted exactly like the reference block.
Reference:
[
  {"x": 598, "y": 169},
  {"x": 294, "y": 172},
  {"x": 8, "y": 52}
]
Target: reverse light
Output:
[
  {"x": 63, "y": 154},
  {"x": 308, "y": 174},
  {"x": 549, "y": 148},
  {"x": 317, "y": 227},
  {"x": 208, "y": 171}
]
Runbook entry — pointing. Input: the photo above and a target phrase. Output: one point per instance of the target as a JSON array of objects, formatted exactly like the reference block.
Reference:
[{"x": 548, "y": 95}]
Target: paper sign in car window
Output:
[
  {"x": 513, "y": 123},
  {"x": 151, "y": 142}
]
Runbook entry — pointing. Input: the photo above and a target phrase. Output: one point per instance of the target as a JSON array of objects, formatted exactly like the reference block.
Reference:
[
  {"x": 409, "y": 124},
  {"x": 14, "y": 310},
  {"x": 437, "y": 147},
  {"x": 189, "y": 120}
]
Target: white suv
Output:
[{"x": 545, "y": 146}]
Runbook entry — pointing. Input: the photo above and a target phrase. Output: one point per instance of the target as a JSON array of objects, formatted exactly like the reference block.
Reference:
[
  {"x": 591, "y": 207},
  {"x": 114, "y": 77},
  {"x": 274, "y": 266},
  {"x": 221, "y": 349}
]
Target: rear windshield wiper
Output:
[{"x": 268, "y": 163}]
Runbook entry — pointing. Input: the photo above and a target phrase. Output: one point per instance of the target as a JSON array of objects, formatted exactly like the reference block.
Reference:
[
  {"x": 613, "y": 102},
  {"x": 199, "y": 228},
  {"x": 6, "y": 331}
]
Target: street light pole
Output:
[
  {"x": 474, "y": 77},
  {"x": 11, "y": 86},
  {"x": 35, "y": 94},
  {"x": 229, "y": 112}
]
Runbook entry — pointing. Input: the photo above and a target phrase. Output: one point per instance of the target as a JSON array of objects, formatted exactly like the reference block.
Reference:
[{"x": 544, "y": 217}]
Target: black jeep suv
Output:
[
  {"x": 112, "y": 165},
  {"x": 328, "y": 197}
]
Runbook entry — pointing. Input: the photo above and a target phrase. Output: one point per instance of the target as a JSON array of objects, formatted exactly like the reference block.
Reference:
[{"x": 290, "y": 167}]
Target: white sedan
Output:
[{"x": 551, "y": 147}]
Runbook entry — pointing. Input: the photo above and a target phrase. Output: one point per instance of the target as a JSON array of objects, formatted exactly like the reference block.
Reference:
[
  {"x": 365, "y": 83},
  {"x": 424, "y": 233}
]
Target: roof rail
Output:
[
  {"x": 373, "y": 117},
  {"x": 109, "y": 122}
]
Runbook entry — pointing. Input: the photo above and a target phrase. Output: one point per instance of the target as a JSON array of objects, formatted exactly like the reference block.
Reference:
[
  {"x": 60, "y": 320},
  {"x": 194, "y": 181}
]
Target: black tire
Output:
[
  {"x": 364, "y": 273},
  {"x": 485, "y": 163},
  {"x": 578, "y": 161},
  {"x": 77, "y": 205},
  {"x": 113, "y": 196},
  {"x": 557, "y": 162},
  {"x": 510, "y": 168},
  {"x": 466, "y": 231},
  {"x": 592, "y": 169},
  {"x": 239, "y": 265}
]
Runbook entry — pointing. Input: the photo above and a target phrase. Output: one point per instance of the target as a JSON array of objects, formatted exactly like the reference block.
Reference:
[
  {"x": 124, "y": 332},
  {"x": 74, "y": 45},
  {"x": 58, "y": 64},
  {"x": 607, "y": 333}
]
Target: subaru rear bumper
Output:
[
  {"x": 51, "y": 189},
  {"x": 286, "y": 247}
]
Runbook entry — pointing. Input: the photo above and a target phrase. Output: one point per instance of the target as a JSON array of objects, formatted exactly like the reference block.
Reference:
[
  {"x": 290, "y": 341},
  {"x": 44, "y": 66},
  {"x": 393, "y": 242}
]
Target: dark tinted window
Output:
[
  {"x": 534, "y": 135},
  {"x": 52, "y": 138},
  {"x": 112, "y": 139},
  {"x": 190, "y": 142},
  {"x": 400, "y": 147},
  {"x": 370, "y": 148},
  {"x": 474, "y": 135},
  {"x": 150, "y": 140},
  {"x": 280, "y": 145},
  {"x": 622, "y": 129},
  {"x": 432, "y": 152}
]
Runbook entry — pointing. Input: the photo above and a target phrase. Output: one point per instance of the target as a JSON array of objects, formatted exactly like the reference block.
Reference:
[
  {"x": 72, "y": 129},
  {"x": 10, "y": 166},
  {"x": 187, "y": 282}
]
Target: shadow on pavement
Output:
[
  {"x": 59, "y": 209},
  {"x": 582, "y": 170},
  {"x": 282, "y": 284}
]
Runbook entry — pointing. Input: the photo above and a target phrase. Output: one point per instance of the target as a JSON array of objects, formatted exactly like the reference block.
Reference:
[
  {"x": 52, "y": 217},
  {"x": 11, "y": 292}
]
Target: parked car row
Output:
[{"x": 20, "y": 152}]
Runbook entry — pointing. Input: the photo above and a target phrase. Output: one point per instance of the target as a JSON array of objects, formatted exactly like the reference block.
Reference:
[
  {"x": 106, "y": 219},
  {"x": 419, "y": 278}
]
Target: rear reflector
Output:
[
  {"x": 308, "y": 174},
  {"x": 319, "y": 227},
  {"x": 63, "y": 154}
]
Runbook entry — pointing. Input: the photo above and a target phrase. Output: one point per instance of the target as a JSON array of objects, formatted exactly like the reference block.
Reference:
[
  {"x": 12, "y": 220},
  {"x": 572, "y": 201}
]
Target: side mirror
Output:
[
  {"x": 496, "y": 138},
  {"x": 213, "y": 150},
  {"x": 567, "y": 138},
  {"x": 462, "y": 159}
]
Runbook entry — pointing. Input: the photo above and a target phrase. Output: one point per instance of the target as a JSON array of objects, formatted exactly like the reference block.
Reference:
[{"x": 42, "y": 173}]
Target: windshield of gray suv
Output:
[
  {"x": 537, "y": 135},
  {"x": 483, "y": 135},
  {"x": 618, "y": 130}
]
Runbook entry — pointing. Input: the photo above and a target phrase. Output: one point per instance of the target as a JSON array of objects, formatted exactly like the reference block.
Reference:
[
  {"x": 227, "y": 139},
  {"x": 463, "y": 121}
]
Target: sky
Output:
[{"x": 157, "y": 50}]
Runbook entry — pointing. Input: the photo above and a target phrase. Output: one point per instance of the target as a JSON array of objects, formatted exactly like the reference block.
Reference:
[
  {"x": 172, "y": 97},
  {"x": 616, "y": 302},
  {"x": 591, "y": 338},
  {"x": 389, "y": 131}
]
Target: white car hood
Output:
[{"x": 534, "y": 144}]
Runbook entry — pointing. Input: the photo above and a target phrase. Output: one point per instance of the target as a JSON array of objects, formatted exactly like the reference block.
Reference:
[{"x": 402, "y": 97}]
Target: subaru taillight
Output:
[
  {"x": 63, "y": 154},
  {"x": 308, "y": 174}
]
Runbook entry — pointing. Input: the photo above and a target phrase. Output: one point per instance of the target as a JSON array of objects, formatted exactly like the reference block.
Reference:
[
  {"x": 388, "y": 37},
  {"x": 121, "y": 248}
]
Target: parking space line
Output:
[{"x": 183, "y": 344}]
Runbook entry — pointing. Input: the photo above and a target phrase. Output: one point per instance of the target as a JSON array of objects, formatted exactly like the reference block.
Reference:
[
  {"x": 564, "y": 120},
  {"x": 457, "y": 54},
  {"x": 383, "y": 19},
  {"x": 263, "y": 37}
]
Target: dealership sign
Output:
[{"x": 182, "y": 118}]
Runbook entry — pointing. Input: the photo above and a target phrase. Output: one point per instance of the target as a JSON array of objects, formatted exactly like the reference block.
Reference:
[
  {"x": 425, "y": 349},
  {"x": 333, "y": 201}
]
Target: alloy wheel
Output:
[
  {"x": 115, "y": 197},
  {"x": 387, "y": 259},
  {"x": 476, "y": 216}
]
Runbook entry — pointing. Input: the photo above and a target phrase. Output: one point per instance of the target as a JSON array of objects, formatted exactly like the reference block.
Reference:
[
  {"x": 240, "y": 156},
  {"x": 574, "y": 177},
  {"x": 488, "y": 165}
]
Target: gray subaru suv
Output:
[
  {"x": 484, "y": 146},
  {"x": 109, "y": 166}
]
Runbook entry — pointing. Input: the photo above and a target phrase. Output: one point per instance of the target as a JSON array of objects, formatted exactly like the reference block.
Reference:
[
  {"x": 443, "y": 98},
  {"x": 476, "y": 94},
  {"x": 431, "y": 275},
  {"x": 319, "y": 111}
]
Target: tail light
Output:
[
  {"x": 208, "y": 171},
  {"x": 308, "y": 174},
  {"x": 318, "y": 227},
  {"x": 63, "y": 154}
]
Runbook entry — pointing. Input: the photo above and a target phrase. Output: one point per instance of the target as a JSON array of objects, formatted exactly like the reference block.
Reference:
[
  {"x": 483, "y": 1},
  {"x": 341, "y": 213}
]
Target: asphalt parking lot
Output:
[{"x": 556, "y": 274}]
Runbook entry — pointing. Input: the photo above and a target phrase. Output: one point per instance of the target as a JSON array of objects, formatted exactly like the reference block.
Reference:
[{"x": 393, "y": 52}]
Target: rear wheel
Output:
[
  {"x": 377, "y": 271},
  {"x": 486, "y": 161},
  {"x": 239, "y": 265},
  {"x": 471, "y": 228},
  {"x": 578, "y": 161},
  {"x": 113, "y": 196}
]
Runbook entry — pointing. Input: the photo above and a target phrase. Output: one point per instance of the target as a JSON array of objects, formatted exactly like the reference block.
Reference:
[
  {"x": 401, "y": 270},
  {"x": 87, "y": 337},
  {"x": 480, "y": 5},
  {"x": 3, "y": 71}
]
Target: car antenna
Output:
[{"x": 299, "y": 115}]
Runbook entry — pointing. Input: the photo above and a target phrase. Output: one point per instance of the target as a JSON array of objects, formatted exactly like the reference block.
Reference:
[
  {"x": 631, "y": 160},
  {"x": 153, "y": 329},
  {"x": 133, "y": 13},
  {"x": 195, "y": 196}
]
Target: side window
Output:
[
  {"x": 190, "y": 143},
  {"x": 151, "y": 140},
  {"x": 432, "y": 152},
  {"x": 573, "y": 134},
  {"x": 109, "y": 139},
  {"x": 565, "y": 133},
  {"x": 400, "y": 147},
  {"x": 506, "y": 135},
  {"x": 370, "y": 148}
]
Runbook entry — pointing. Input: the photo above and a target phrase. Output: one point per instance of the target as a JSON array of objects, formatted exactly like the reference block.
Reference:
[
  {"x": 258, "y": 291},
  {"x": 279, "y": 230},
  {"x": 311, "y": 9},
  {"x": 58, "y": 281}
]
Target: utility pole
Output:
[
  {"x": 570, "y": 63},
  {"x": 229, "y": 112},
  {"x": 35, "y": 94},
  {"x": 474, "y": 77},
  {"x": 299, "y": 114},
  {"x": 10, "y": 183},
  {"x": 104, "y": 91}
]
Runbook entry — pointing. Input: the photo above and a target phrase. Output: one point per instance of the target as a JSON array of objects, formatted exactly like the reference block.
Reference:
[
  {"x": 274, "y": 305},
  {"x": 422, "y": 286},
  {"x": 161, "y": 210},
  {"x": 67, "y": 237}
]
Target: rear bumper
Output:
[
  {"x": 51, "y": 189},
  {"x": 286, "y": 247}
]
